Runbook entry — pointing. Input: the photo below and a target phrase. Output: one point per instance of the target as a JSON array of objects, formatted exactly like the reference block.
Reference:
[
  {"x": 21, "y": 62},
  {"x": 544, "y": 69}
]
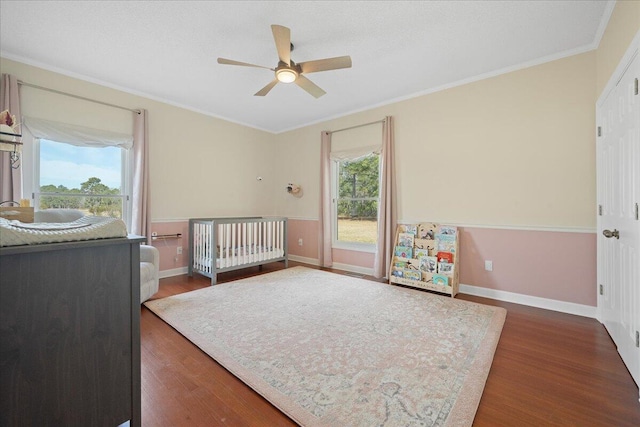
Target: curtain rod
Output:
[
  {"x": 358, "y": 126},
  {"x": 20, "y": 82}
]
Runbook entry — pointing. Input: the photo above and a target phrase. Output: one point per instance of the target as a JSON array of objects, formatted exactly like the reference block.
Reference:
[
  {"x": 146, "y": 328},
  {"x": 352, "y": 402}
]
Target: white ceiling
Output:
[{"x": 167, "y": 50}]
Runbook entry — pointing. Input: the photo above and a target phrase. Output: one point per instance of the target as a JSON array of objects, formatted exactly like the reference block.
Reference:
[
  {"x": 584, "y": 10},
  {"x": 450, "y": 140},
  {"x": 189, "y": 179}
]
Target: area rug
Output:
[{"x": 332, "y": 350}]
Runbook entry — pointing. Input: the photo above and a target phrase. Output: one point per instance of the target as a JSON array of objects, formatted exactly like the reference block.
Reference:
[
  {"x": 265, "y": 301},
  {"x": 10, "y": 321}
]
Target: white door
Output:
[{"x": 618, "y": 182}]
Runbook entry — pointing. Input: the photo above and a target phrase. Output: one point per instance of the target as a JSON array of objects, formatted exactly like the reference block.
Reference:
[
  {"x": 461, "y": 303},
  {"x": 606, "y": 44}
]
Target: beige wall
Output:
[
  {"x": 513, "y": 150},
  {"x": 517, "y": 149},
  {"x": 622, "y": 28},
  {"x": 199, "y": 165}
]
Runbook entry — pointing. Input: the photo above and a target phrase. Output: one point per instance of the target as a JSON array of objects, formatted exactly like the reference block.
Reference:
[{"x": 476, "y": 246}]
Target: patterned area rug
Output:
[{"x": 333, "y": 350}]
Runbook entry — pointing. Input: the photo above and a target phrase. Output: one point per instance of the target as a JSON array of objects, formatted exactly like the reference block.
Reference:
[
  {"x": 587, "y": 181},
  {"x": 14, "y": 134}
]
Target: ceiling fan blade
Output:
[
  {"x": 265, "y": 90},
  {"x": 325, "y": 64},
  {"x": 244, "y": 64},
  {"x": 309, "y": 86},
  {"x": 282, "y": 37}
]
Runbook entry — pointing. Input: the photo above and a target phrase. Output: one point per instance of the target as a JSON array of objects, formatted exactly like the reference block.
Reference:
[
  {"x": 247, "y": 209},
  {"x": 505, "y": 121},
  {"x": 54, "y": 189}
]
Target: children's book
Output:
[
  {"x": 445, "y": 257},
  {"x": 433, "y": 264},
  {"x": 412, "y": 274},
  {"x": 404, "y": 251},
  {"x": 445, "y": 268},
  {"x": 419, "y": 252},
  {"x": 409, "y": 228},
  {"x": 397, "y": 273},
  {"x": 448, "y": 229},
  {"x": 405, "y": 239},
  {"x": 428, "y": 264},
  {"x": 400, "y": 264},
  {"x": 446, "y": 242},
  {"x": 439, "y": 279}
]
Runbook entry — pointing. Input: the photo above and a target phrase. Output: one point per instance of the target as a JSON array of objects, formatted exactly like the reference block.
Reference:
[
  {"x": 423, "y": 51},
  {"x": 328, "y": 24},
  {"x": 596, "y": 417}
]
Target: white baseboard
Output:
[
  {"x": 353, "y": 268},
  {"x": 310, "y": 261},
  {"x": 173, "y": 272},
  {"x": 336, "y": 265},
  {"x": 545, "y": 303}
]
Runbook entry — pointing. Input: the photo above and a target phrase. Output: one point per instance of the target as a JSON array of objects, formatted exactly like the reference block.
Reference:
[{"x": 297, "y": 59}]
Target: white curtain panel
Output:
[
  {"x": 388, "y": 207},
  {"x": 326, "y": 259},
  {"x": 354, "y": 154},
  {"x": 140, "y": 208},
  {"x": 76, "y": 135}
]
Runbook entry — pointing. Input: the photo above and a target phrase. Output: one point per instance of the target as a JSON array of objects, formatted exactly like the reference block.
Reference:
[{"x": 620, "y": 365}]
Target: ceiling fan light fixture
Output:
[
  {"x": 286, "y": 75},
  {"x": 288, "y": 71}
]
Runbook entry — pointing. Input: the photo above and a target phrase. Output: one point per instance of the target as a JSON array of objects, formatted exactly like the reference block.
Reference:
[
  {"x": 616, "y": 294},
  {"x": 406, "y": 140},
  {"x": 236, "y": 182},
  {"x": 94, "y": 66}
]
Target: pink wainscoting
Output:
[
  {"x": 358, "y": 259},
  {"x": 308, "y": 231},
  {"x": 548, "y": 264},
  {"x": 168, "y": 247}
]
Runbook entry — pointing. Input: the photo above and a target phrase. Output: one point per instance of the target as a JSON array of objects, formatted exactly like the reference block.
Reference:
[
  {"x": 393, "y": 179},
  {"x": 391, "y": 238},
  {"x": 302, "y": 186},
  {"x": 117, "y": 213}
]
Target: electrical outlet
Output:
[
  {"x": 300, "y": 242},
  {"x": 179, "y": 250},
  {"x": 488, "y": 265}
]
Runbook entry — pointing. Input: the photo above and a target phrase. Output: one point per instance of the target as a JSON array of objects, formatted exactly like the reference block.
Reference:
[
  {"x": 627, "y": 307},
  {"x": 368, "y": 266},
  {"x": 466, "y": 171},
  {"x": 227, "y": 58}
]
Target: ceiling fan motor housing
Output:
[{"x": 287, "y": 73}]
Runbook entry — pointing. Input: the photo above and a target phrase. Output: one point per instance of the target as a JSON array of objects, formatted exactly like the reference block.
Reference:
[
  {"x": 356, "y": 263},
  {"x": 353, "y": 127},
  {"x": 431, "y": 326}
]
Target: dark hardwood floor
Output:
[{"x": 550, "y": 369}]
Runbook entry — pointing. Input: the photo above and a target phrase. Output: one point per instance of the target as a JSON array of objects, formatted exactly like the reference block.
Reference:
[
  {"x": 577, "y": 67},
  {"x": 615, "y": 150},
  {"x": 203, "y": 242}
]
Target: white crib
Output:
[{"x": 224, "y": 244}]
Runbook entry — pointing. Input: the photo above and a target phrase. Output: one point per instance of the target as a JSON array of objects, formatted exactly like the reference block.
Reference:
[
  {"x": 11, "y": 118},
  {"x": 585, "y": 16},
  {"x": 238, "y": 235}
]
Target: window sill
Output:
[{"x": 353, "y": 246}]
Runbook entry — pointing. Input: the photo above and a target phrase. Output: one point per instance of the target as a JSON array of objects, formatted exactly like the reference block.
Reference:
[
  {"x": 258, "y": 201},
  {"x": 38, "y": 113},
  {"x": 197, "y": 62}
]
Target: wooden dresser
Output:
[{"x": 70, "y": 333}]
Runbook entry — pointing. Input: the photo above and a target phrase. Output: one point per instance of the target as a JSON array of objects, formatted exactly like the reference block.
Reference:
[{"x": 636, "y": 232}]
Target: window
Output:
[
  {"x": 91, "y": 179},
  {"x": 355, "y": 215}
]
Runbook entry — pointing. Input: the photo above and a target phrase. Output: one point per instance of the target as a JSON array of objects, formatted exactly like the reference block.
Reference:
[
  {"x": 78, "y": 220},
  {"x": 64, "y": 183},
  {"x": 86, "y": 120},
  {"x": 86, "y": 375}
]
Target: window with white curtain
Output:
[
  {"x": 81, "y": 168},
  {"x": 91, "y": 179},
  {"x": 355, "y": 183}
]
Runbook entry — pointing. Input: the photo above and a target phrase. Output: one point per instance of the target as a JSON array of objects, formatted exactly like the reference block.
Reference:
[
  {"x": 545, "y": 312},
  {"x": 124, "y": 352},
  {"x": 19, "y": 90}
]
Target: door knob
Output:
[{"x": 608, "y": 234}]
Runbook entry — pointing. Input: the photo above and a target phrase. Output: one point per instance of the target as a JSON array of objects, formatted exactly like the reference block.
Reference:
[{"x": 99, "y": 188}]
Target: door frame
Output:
[{"x": 632, "y": 51}]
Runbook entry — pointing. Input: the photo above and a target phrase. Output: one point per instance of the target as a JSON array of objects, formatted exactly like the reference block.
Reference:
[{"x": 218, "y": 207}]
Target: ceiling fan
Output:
[{"x": 288, "y": 71}]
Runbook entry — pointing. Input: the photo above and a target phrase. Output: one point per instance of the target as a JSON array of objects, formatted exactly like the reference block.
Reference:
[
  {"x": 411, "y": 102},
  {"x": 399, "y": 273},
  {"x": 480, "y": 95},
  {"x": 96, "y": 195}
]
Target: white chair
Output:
[
  {"x": 149, "y": 272},
  {"x": 149, "y": 255}
]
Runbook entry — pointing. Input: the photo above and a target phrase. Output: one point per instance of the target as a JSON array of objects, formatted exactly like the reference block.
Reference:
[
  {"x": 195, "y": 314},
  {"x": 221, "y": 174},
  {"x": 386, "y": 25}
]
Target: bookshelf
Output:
[{"x": 426, "y": 257}]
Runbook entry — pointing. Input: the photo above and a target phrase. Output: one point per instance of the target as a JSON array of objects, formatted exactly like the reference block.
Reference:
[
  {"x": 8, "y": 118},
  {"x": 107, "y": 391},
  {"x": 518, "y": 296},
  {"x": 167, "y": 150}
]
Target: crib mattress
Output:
[{"x": 16, "y": 233}]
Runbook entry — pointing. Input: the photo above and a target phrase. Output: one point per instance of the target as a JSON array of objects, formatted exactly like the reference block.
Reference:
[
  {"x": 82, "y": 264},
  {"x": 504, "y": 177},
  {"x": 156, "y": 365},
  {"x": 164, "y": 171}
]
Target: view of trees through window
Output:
[
  {"x": 357, "y": 202},
  {"x": 93, "y": 197},
  {"x": 84, "y": 178}
]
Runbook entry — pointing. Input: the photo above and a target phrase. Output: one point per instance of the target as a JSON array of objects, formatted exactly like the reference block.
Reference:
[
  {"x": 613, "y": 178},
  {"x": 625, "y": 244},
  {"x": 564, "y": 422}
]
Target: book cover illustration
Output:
[
  {"x": 406, "y": 239},
  {"x": 412, "y": 275},
  {"x": 449, "y": 230},
  {"x": 409, "y": 228},
  {"x": 445, "y": 257},
  {"x": 400, "y": 265},
  {"x": 403, "y": 251},
  {"x": 397, "y": 273},
  {"x": 428, "y": 264},
  {"x": 445, "y": 268},
  {"x": 446, "y": 242},
  {"x": 419, "y": 252},
  {"x": 439, "y": 279},
  {"x": 427, "y": 230}
]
